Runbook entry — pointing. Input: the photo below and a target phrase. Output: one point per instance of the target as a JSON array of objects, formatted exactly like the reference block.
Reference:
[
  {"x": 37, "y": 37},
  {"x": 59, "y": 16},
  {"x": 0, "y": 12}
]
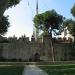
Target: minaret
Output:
[
  {"x": 36, "y": 7},
  {"x": 35, "y": 31}
]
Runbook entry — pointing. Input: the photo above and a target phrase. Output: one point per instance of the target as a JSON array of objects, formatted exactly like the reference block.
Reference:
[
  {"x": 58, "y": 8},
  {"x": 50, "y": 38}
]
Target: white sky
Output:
[{"x": 21, "y": 16}]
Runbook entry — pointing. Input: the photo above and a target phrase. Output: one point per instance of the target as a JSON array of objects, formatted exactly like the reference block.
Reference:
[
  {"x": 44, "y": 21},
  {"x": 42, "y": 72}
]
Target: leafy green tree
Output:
[
  {"x": 73, "y": 10},
  {"x": 47, "y": 22},
  {"x": 72, "y": 30},
  {"x": 4, "y": 24},
  {"x": 12, "y": 2},
  {"x": 70, "y": 24},
  {"x": 5, "y": 4}
]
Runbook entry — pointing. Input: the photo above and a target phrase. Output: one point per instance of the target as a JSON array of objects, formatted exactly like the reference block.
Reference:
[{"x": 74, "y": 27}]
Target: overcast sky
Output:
[{"x": 21, "y": 16}]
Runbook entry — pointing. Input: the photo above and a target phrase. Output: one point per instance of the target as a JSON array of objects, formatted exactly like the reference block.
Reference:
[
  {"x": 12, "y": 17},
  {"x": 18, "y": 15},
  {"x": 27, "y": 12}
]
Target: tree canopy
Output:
[
  {"x": 73, "y": 10},
  {"x": 70, "y": 24},
  {"x": 48, "y": 21},
  {"x": 72, "y": 29},
  {"x": 13, "y": 2},
  {"x": 5, "y": 4},
  {"x": 4, "y": 24}
]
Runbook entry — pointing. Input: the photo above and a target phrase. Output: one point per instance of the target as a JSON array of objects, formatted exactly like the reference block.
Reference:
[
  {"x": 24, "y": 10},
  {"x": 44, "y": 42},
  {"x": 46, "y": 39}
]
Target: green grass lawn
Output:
[
  {"x": 11, "y": 70},
  {"x": 59, "y": 69}
]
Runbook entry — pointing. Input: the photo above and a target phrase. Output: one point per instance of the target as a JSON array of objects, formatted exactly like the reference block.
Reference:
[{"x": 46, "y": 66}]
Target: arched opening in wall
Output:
[{"x": 36, "y": 57}]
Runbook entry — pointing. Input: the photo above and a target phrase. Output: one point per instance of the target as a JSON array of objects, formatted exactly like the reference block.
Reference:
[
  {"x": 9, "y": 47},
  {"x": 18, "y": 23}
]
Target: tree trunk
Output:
[{"x": 52, "y": 48}]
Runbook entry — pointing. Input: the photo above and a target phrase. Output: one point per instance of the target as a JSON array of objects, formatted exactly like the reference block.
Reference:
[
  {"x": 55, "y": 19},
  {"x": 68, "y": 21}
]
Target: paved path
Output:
[{"x": 33, "y": 70}]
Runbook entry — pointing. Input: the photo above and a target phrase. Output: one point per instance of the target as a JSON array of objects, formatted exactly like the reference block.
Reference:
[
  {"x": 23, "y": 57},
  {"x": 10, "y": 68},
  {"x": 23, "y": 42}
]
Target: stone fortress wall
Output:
[{"x": 22, "y": 48}]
